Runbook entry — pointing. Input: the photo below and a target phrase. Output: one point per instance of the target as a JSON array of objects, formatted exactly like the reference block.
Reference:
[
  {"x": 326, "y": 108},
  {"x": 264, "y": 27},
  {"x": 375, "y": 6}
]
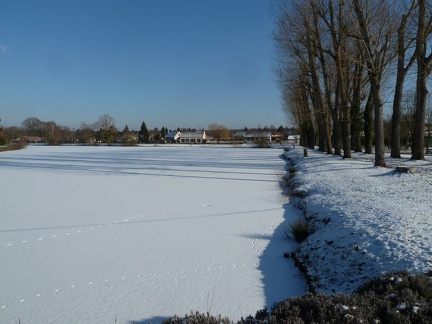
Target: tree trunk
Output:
[
  {"x": 400, "y": 79},
  {"x": 379, "y": 121},
  {"x": 346, "y": 120},
  {"x": 346, "y": 130},
  {"x": 422, "y": 91},
  {"x": 337, "y": 136},
  {"x": 336, "y": 132},
  {"x": 368, "y": 125},
  {"x": 396, "y": 117},
  {"x": 356, "y": 120}
]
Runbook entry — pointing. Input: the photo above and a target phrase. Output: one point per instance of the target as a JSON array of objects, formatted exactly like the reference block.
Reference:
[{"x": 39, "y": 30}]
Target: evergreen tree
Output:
[
  {"x": 2, "y": 140},
  {"x": 163, "y": 132},
  {"x": 143, "y": 134},
  {"x": 156, "y": 135}
]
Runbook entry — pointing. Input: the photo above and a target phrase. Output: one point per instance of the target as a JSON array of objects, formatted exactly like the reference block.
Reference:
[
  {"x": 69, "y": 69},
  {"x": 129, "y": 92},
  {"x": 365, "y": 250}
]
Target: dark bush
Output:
[
  {"x": 300, "y": 229},
  {"x": 395, "y": 298},
  {"x": 18, "y": 145},
  {"x": 198, "y": 318}
]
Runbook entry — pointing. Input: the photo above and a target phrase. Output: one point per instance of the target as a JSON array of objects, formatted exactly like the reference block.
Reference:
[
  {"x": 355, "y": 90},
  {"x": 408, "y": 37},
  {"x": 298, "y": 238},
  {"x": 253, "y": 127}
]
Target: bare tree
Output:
[
  {"x": 219, "y": 132},
  {"x": 407, "y": 116},
  {"x": 404, "y": 43},
  {"x": 85, "y": 134},
  {"x": 428, "y": 127},
  {"x": 67, "y": 134},
  {"x": 423, "y": 70},
  {"x": 296, "y": 104},
  {"x": 298, "y": 41},
  {"x": 356, "y": 98},
  {"x": 378, "y": 55},
  {"x": 52, "y": 132},
  {"x": 13, "y": 133},
  {"x": 292, "y": 71},
  {"x": 106, "y": 128},
  {"x": 315, "y": 55},
  {"x": 336, "y": 21},
  {"x": 33, "y": 126}
]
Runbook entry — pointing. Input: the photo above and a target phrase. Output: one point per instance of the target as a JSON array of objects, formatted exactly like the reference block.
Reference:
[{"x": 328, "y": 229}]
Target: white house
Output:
[
  {"x": 293, "y": 139},
  {"x": 254, "y": 136},
  {"x": 194, "y": 137},
  {"x": 239, "y": 136},
  {"x": 172, "y": 137}
]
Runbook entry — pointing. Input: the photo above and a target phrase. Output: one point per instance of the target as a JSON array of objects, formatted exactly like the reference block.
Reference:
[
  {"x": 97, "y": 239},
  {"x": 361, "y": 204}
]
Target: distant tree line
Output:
[
  {"x": 103, "y": 130},
  {"x": 335, "y": 60}
]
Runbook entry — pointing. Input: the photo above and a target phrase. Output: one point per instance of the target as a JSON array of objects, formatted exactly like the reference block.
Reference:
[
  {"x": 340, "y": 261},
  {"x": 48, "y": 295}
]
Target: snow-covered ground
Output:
[
  {"x": 369, "y": 220},
  {"x": 115, "y": 234}
]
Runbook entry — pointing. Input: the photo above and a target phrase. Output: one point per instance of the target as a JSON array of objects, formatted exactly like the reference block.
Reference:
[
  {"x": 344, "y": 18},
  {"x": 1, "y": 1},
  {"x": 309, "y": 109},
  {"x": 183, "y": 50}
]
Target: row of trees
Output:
[
  {"x": 103, "y": 130},
  {"x": 335, "y": 60}
]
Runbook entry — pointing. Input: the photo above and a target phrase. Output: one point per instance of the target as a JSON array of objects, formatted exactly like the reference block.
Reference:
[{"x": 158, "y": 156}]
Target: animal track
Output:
[
  {"x": 92, "y": 227},
  {"x": 96, "y": 230},
  {"x": 45, "y": 236},
  {"x": 133, "y": 279}
]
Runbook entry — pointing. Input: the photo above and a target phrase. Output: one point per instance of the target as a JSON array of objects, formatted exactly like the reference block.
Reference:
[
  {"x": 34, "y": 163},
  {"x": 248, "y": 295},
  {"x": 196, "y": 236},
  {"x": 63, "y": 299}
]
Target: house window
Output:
[{"x": 198, "y": 140}]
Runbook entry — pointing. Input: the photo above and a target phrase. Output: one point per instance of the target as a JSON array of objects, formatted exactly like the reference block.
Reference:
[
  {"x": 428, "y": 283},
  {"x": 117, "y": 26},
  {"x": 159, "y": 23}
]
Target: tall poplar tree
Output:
[{"x": 424, "y": 63}]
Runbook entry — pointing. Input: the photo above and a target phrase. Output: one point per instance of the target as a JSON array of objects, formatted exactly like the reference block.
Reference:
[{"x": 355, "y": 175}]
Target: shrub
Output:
[
  {"x": 262, "y": 143},
  {"x": 300, "y": 229},
  {"x": 198, "y": 318},
  {"x": 298, "y": 193},
  {"x": 18, "y": 145},
  {"x": 394, "y": 298},
  {"x": 14, "y": 146}
]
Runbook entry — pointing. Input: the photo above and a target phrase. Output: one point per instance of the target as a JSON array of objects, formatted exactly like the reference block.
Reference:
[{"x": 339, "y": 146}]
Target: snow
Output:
[
  {"x": 379, "y": 219},
  {"x": 117, "y": 234}
]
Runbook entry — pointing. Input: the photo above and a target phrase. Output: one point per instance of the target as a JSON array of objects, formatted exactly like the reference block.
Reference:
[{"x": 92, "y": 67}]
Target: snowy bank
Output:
[{"x": 368, "y": 220}]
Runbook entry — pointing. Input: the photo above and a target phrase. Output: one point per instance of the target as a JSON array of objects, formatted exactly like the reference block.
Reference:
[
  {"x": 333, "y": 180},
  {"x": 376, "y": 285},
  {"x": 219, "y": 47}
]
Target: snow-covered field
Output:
[
  {"x": 115, "y": 234},
  {"x": 369, "y": 220}
]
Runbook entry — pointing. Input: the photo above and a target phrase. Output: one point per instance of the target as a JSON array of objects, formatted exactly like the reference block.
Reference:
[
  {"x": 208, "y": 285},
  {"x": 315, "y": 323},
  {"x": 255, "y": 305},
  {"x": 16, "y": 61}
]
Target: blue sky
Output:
[{"x": 183, "y": 63}]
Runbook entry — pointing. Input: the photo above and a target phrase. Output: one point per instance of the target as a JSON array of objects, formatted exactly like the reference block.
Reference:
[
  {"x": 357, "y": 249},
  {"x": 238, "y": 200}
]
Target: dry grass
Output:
[{"x": 299, "y": 229}]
